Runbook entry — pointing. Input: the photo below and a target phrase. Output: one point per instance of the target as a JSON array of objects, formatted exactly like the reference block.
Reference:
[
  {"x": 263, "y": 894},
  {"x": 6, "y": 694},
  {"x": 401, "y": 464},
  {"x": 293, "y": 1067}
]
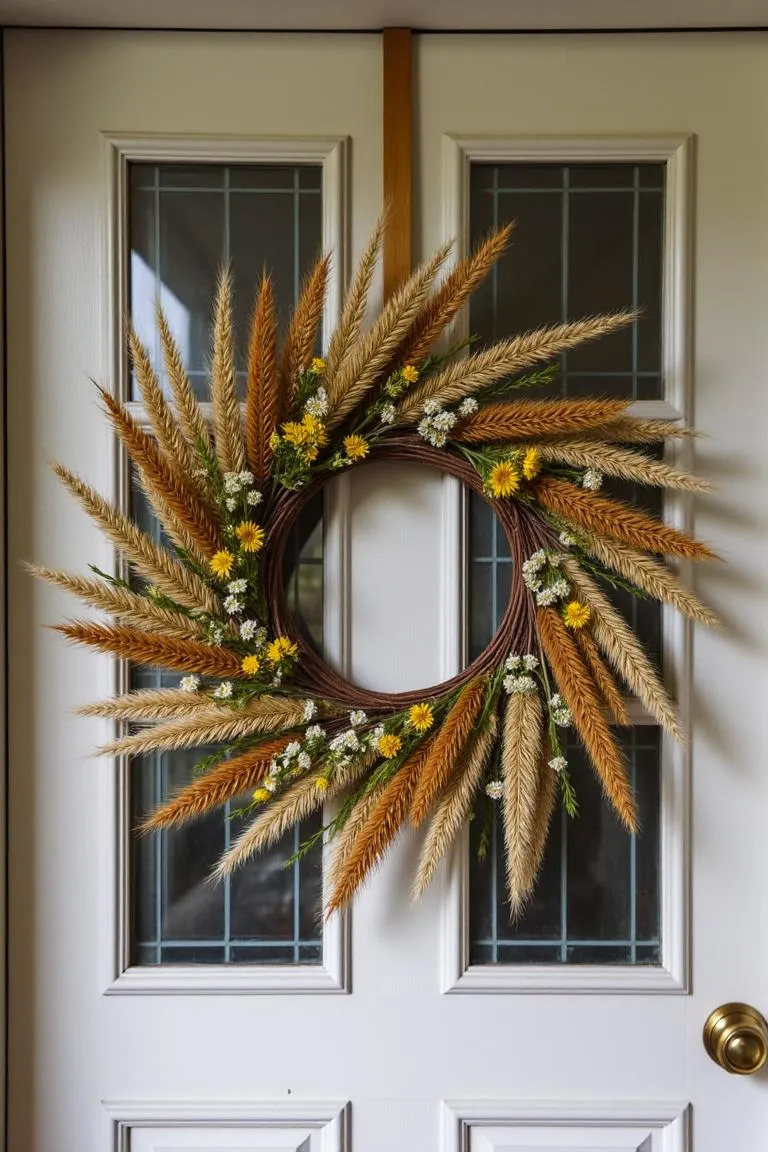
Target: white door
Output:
[{"x": 145, "y": 1011}]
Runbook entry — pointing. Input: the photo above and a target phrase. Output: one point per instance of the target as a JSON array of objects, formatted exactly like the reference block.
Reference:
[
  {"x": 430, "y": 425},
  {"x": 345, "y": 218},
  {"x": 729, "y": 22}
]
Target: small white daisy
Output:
[
  {"x": 468, "y": 406},
  {"x": 592, "y": 479},
  {"x": 310, "y": 708},
  {"x": 189, "y": 683},
  {"x": 248, "y": 629},
  {"x": 314, "y": 732},
  {"x": 237, "y": 587},
  {"x": 233, "y": 605},
  {"x": 388, "y": 414},
  {"x": 357, "y": 718},
  {"x": 494, "y": 789},
  {"x": 530, "y": 662},
  {"x": 254, "y": 497},
  {"x": 558, "y": 763},
  {"x": 231, "y": 504},
  {"x": 304, "y": 761},
  {"x": 224, "y": 690},
  {"x": 245, "y": 478}
]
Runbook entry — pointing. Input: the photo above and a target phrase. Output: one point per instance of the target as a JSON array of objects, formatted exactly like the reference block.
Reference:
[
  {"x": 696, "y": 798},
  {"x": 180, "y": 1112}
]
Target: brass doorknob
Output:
[{"x": 736, "y": 1037}]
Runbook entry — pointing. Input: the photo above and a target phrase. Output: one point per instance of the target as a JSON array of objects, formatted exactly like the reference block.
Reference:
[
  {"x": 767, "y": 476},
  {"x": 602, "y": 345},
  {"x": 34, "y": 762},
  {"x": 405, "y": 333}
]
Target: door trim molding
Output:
[
  {"x": 332, "y": 153},
  {"x": 670, "y": 1118},
  {"x": 673, "y": 975},
  {"x": 330, "y": 1117}
]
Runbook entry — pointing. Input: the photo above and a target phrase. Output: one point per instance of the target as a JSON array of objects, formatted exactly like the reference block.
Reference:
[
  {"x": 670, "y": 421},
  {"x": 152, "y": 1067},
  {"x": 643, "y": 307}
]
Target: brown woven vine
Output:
[{"x": 524, "y": 530}]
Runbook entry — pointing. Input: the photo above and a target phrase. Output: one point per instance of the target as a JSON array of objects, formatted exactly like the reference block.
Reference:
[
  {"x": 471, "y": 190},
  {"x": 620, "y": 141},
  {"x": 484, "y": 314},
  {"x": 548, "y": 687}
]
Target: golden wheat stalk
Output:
[
  {"x": 179, "y": 455},
  {"x": 623, "y": 649},
  {"x": 622, "y": 463},
  {"x": 212, "y": 725},
  {"x": 349, "y": 831},
  {"x": 650, "y": 575},
  {"x": 365, "y": 362},
  {"x": 520, "y": 761},
  {"x": 227, "y": 781},
  {"x": 454, "y": 807},
  {"x": 606, "y": 685},
  {"x": 147, "y": 704},
  {"x": 347, "y": 330},
  {"x": 125, "y": 605},
  {"x": 465, "y": 377},
  {"x": 228, "y": 434},
  {"x": 175, "y": 502},
  {"x": 384, "y": 821},
  {"x": 635, "y": 430},
  {"x": 263, "y": 387},
  {"x": 285, "y": 811},
  {"x": 154, "y": 649},
  {"x": 605, "y": 517},
  {"x": 580, "y": 695},
  {"x": 440, "y": 309},
  {"x": 548, "y": 787},
  {"x": 523, "y": 419},
  {"x": 299, "y": 347},
  {"x": 188, "y": 411},
  {"x": 155, "y": 563},
  {"x": 446, "y": 748}
]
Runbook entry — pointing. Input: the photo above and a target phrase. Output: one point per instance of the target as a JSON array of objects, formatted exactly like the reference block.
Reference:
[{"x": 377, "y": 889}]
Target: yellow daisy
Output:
[
  {"x": 356, "y": 447},
  {"x": 421, "y": 717},
  {"x": 318, "y": 365},
  {"x": 503, "y": 479},
  {"x": 250, "y": 535},
  {"x": 410, "y": 373},
  {"x": 261, "y": 794},
  {"x": 250, "y": 665},
  {"x": 295, "y": 434},
  {"x": 322, "y": 784},
  {"x": 531, "y": 463},
  {"x": 389, "y": 745},
  {"x": 221, "y": 564},
  {"x": 279, "y": 648},
  {"x": 576, "y": 614},
  {"x": 314, "y": 428}
]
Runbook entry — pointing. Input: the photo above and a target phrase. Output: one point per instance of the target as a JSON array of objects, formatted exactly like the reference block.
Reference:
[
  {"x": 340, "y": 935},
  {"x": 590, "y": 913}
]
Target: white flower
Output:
[
  {"x": 357, "y": 718},
  {"x": 232, "y": 483},
  {"x": 512, "y": 662},
  {"x": 310, "y": 708},
  {"x": 233, "y": 605},
  {"x": 437, "y": 439},
  {"x": 245, "y": 478},
  {"x": 555, "y": 559},
  {"x": 561, "y": 588},
  {"x": 270, "y": 784},
  {"x": 546, "y": 597},
  {"x": 292, "y": 750},
  {"x": 444, "y": 421},
  {"x": 559, "y": 711},
  {"x": 592, "y": 479},
  {"x": 317, "y": 405},
  {"x": 566, "y": 539},
  {"x": 530, "y": 662},
  {"x": 304, "y": 761},
  {"x": 254, "y": 497},
  {"x": 216, "y": 632},
  {"x": 237, "y": 587},
  {"x": 376, "y": 734},
  {"x": 224, "y": 690},
  {"x": 558, "y": 763},
  {"x": 314, "y": 732},
  {"x": 516, "y": 684},
  {"x": 494, "y": 789},
  {"x": 231, "y": 504},
  {"x": 468, "y": 406},
  {"x": 189, "y": 683},
  {"x": 248, "y": 629},
  {"x": 388, "y": 414},
  {"x": 432, "y": 407}
]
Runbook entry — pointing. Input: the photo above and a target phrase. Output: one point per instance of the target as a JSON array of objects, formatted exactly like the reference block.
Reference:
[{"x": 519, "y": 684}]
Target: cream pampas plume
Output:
[
  {"x": 624, "y": 651},
  {"x": 520, "y": 763},
  {"x": 454, "y": 806}
]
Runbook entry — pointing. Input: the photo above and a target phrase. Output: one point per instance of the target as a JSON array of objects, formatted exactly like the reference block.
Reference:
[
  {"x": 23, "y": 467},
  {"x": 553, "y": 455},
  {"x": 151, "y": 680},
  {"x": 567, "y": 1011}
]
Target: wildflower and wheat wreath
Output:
[{"x": 292, "y": 732}]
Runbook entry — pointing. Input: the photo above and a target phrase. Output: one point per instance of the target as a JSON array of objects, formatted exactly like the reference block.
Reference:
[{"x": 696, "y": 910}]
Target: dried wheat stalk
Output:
[
  {"x": 607, "y": 686},
  {"x": 580, "y": 694},
  {"x": 623, "y": 463},
  {"x": 522, "y": 419},
  {"x": 156, "y": 564},
  {"x": 454, "y": 807},
  {"x": 635, "y": 430},
  {"x": 446, "y": 748},
  {"x": 263, "y": 388},
  {"x": 353, "y": 313},
  {"x": 650, "y": 575},
  {"x": 520, "y": 762},
  {"x": 605, "y": 517},
  {"x": 154, "y": 649},
  {"x": 188, "y": 411},
  {"x": 212, "y": 725},
  {"x": 480, "y": 370},
  {"x": 548, "y": 787},
  {"x": 367, "y": 360},
  {"x": 230, "y": 451},
  {"x": 300, "y": 341},
  {"x": 624, "y": 651},
  {"x": 129, "y": 607},
  {"x": 147, "y": 704}
]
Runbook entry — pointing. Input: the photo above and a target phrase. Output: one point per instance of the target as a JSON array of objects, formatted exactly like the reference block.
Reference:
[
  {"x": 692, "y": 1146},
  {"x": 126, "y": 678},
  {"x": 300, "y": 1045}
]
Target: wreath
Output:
[{"x": 291, "y": 732}]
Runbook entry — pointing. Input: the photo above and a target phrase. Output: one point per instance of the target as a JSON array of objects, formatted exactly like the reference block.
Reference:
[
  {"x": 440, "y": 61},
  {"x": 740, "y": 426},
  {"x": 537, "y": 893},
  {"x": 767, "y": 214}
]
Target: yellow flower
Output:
[
  {"x": 410, "y": 373},
  {"x": 309, "y": 452},
  {"x": 295, "y": 434},
  {"x": 250, "y": 535},
  {"x": 318, "y": 365},
  {"x": 261, "y": 794},
  {"x": 315, "y": 429},
  {"x": 221, "y": 564},
  {"x": 356, "y": 447},
  {"x": 279, "y": 648},
  {"x": 503, "y": 479},
  {"x": 250, "y": 665},
  {"x": 274, "y": 441},
  {"x": 531, "y": 463},
  {"x": 389, "y": 745},
  {"x": 421, "y": 717},
  {"x": 321, "y": 783},
  {"x": 576, "y": 615}
]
